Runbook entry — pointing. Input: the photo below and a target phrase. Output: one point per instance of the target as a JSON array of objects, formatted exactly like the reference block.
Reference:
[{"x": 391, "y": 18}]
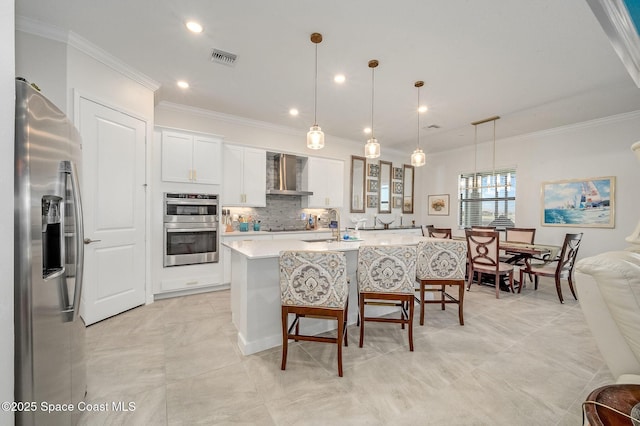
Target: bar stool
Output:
[
  {"x": 385, "y": 277},
  {"x": 441, "y": 262},
  {"x": 313, "y": 284}
]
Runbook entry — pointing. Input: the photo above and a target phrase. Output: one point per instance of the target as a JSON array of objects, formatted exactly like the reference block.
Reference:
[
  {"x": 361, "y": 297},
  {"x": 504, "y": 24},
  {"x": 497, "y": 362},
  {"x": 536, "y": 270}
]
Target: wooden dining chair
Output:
[
  {"x": 520, "y": 235},
  {"x": 483, "y": 248},
  {"x": 386, "y": 276},
  {"x": 441, "y": 263},
  {"x": 558, "y": 268},
  {"x": 440, "y": 232},
  {"x": 517, "y": 235},
  {"x": 425, "y": 230},
  {"x": 313, "y": 284}
]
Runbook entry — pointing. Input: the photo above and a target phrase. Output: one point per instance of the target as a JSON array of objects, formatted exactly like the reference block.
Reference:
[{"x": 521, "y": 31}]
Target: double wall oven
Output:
[{"x": 190, "y": 229}]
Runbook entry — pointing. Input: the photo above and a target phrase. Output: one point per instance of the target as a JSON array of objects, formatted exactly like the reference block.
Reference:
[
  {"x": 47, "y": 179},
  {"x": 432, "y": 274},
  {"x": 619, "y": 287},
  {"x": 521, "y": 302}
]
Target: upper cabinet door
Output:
[
  {"x": 177, "y": 153},
  {"x": 206, "y": 160},
  {"x": 191, "y": 158},
  {"x": 325, "y": 178},
  {"x": 255, "y": 177},
  {"x": 245, "y": 176}
]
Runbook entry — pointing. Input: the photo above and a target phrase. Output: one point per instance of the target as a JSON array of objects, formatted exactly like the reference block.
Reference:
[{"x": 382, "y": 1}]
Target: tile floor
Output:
[{"x": 520, "y": 360}]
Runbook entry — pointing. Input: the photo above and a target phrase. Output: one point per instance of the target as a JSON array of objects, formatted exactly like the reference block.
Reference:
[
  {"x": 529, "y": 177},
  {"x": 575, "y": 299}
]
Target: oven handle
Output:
[
  {"x": 170, "y": 227},
  {"x": 191, "y": 201}
]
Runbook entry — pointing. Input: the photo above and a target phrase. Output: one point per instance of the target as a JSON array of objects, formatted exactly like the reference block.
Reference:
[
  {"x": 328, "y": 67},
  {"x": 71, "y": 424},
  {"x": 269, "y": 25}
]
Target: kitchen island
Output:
[{"x": 255, "y": 288}]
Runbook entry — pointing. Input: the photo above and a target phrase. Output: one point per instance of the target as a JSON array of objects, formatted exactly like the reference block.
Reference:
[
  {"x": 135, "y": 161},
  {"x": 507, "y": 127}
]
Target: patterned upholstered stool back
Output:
[
  {"x": 441, "y": 259},
  {"x": 386, "y": 269},
  {"x": 313, "y": 278}
]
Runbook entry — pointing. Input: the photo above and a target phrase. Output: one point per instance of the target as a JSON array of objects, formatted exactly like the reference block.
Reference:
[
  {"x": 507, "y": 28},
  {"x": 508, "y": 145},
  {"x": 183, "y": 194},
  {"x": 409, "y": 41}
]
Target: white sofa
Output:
[{"x": 608, "y": 287}]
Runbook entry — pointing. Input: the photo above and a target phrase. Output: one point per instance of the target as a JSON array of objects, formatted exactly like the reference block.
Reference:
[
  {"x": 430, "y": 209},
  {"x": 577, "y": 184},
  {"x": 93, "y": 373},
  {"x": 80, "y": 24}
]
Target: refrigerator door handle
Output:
[{"x": 70, "y": 168}]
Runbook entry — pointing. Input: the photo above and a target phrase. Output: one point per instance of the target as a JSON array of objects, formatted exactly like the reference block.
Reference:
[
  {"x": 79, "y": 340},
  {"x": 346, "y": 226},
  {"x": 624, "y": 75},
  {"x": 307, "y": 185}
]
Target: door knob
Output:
[{"x": 89, "y": 241}]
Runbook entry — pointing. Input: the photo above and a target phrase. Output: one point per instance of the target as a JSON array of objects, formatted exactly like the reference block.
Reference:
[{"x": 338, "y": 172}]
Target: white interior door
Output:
[{"x": 113, "y": 193}]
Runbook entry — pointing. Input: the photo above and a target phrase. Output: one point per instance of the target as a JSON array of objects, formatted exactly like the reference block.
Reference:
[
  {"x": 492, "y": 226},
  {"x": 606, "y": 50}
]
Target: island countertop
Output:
[{"x": 260, "y": 249}]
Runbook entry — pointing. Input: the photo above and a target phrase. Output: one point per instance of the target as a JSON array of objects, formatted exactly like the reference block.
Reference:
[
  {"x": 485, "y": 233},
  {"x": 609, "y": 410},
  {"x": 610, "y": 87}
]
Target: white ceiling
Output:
[{"x": 539, "y": 64}]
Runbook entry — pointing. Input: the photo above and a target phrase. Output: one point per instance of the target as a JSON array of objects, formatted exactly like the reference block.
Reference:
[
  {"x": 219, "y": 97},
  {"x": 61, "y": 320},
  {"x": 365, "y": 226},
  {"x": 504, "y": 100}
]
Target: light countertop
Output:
[{"x": 258, "y": 249}]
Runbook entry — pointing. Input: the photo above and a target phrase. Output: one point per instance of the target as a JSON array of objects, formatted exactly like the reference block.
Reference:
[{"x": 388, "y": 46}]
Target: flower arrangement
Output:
[{"x": 438, "y": 204}]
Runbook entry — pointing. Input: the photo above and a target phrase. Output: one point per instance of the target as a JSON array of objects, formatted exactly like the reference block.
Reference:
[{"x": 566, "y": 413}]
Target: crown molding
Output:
[
  {"x": 72, "y": 39},
  {"x": 228, "y": 118},
  {"x": 612, "y": 119}
]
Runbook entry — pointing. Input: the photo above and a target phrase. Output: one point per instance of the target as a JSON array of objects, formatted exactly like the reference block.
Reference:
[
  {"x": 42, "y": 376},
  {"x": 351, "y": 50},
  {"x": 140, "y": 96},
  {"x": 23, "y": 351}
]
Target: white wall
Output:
[
  {"x": 591, "y": 149},
  {"x": 7, "y": 114},
  {"x": 43, "y": 62}
]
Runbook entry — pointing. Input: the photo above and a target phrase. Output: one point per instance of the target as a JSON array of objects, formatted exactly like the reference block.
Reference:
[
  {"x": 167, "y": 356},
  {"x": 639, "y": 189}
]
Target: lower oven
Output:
[{"x": 190, "y": 243}]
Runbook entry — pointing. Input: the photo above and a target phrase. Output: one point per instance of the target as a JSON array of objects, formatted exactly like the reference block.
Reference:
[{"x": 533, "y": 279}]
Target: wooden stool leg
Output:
[
  {"x": 285, "y": 338},
  {"x": 442, "y": 296},
  {"x": 421, "y": 303},
  {"x": 340, "y": 318},
  {"x": 411, "y": 327},
  {"x": 362, "y": 321},
  {"x": 461, "y": 302}
]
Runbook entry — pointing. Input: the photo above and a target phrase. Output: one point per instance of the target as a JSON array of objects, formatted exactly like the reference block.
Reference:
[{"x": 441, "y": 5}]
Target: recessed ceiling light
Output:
[
  {"x": 194, "y": 27},
  {"x": 423, "y": 108},
  {"x": 293, "y": 111},
  {"x": 339, "y": 78},
  {"x": 367, "y": 130},
  {"x": 183, "y": 84}
]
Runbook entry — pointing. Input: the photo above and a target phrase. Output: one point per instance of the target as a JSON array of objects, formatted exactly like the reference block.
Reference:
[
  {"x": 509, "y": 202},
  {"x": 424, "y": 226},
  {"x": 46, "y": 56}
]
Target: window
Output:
[{"x": 491, "y": 201}]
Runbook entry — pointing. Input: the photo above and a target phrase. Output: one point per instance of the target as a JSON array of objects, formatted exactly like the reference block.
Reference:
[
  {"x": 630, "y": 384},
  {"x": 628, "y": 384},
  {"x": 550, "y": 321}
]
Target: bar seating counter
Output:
[{"x": 255, "y": 292}]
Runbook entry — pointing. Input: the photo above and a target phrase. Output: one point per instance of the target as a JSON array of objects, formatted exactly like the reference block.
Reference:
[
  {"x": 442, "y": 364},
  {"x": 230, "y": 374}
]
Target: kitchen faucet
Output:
[{"x": 337, "y": 217}]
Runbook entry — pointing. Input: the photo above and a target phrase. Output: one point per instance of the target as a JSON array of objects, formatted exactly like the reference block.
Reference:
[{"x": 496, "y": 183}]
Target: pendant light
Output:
[
  {"x": 372, "y": 147},
  {"x": 315, "y": 137},
  {"x": 418, "y": 158},
  {"x": 476, "y": 183}
]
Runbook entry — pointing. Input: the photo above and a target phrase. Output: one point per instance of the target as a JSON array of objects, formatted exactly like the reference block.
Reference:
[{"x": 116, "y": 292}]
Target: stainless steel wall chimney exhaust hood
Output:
[{"x": 286, "y": 171}]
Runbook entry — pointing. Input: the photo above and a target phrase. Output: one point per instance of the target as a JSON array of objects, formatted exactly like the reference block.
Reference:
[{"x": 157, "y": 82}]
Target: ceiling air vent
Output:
[{"x": 222, "y": 57}]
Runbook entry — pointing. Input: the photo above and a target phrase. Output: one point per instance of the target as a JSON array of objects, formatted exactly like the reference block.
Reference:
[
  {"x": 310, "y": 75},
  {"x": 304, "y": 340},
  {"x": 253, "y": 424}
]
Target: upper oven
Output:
[{"x": 193, "y": 208}]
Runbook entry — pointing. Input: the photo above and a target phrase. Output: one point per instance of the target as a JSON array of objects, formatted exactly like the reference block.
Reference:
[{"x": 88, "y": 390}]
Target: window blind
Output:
[{"x": 487, "y": 198}]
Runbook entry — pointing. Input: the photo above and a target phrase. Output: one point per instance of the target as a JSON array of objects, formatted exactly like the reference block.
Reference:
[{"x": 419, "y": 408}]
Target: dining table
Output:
[{"x": 519, "y": 252}]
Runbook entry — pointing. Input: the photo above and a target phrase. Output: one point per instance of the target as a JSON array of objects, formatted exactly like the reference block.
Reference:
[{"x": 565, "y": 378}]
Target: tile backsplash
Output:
[{"x": 281, "y": 212}]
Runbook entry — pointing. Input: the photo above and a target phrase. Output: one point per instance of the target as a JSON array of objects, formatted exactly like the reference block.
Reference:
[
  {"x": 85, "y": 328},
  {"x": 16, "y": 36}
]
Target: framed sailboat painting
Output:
[{"x": 579, "y": 202}]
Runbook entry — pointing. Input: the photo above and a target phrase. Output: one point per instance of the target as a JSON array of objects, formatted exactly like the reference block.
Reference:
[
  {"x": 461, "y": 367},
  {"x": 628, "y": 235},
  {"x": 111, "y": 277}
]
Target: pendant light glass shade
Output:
[
  {"x": 372, "y": 147},
  {"x": 418, "y": 158},
  {"x": 315, "y": 137}
]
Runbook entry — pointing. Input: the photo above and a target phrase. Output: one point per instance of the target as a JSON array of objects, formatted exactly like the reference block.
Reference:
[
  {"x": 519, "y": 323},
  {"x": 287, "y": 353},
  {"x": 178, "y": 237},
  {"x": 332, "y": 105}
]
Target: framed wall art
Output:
[
  {"x": 372, "y": 201},
  {"x": 397, "y": 202},
  {"x": 579, "y": 202},
  {"x": 397, "y": 173},
  {"x": 373, "y": 170},
  {"x": 438, "y": 205},
  {"x": 372, "y": 185}
]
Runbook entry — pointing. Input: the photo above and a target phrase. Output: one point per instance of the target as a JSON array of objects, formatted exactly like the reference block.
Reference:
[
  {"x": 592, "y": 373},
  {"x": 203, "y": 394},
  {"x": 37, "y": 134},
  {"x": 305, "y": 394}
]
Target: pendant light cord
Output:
[
  {"x": 418, "y": 118},
  {"x": 315, "y": 92},
  {"x": 373, "y": 84}
]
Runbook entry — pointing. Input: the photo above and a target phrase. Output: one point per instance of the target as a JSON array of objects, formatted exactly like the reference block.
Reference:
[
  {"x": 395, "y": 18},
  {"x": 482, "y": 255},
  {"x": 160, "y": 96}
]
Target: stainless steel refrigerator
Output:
[{"x": 48, "y": 247}]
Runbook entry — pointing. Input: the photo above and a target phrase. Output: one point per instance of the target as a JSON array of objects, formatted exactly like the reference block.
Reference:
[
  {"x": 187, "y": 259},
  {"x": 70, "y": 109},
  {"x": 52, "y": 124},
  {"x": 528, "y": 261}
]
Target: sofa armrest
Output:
[{"x": 608, "y": 287}]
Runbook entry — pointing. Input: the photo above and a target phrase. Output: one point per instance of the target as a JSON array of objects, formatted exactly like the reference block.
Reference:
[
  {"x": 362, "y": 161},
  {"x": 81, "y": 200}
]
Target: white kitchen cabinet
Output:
[
  {"x": 325, "y": 178},
  {"x": 245, "y": 176},
  {"x": 191, "y": 158}
]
